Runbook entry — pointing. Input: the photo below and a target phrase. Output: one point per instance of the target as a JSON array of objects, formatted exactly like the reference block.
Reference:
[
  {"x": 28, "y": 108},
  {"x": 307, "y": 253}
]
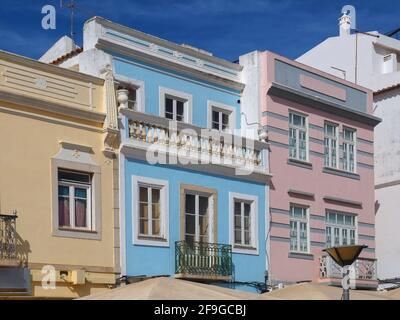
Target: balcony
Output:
[
  {"x": 8, "y": 241},
  {"x": 203, "y": 261},
  {"x": 364, "y": 272},
  {"x": 195, "y": 147}
]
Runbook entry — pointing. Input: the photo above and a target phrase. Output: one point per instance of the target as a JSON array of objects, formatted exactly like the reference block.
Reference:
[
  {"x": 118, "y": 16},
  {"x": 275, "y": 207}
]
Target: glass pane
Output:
[
  {"x": 293, "y": 236},
  {"x": 143, "y": 208},
  {"x": 143, "y": 194},
  {"x": 63, "y": 211},
  {"x": 297, "y": 120},
  {"x": 155, "y": 211},
  {"x": 144, "y": 226},
  {"x": 348, "y": 220},
  {"x": 190, "y": 224},
  {"x": 328, "y": 237},
  {"x": 63, "y": 191},
  {"x": 169, "y": 105},
  {"x": 238, "y": 222},
  {"x": 238, "y": 236},
  {"x": 203, "y": 206},
  {"x": 203, "y": 221},
  {"x": 340, "y": 218},
  {"x": 169, "y": 115},
  {"x": 225, "y": 120},
  {"x": 344, "y": 237},
  {"x": 292, "y": 143},
  {"x": 247, "y": 238},
  {"x": 215, "y": 125},
  {"x": 238, "y": 208},
  {"x": 179, "y": 108},
  {"x": 190, "y": 204},
  {"x": 336, "y": 236},
  {"x": 156, "y": 227},
  {"x": 352, "y": 237},
  {"x": 247, "y": 209},
  {"x": 73, "y": 176},
  {"x": 246, "y": 223},
  {"x": 215, "y": 116},
  {"x": 80, "y": 213},
  {"x": 81, "y": 193},
  {"x": 155, "y": 198}
]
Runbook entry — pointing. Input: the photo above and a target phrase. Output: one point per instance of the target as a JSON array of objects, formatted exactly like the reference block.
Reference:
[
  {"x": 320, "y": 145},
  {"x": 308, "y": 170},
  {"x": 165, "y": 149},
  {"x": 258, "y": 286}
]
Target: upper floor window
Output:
[
  {"x": 298, "y": 137},
  {"x": 299, "y": 236},
  {"x": 74, "y": 200},
  {"x": 221, "y": 117},
  {"x": 174, "y": 109},
  {"x": 349, "y": 147},
  {"x": 175, "y": 105},
  {"x": 340, "y": 229},
  {"x": 331, "y": 145}
]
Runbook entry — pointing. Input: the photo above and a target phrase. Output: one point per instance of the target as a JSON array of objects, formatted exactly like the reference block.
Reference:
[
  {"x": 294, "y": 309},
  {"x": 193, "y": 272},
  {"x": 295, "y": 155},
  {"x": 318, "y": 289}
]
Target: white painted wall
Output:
[
  {"x": 63, "y": 46},
  {"x": 250, "y": 100},
  {"x": 387, "y": 232}
]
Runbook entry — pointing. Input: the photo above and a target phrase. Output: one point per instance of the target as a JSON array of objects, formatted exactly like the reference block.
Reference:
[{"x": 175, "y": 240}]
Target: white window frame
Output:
[
  {"x": 330, "y": 139},
  {"x": 253, "y": 248},
  {"x": 138, "y": 85},
  {"x": 224, "y": 108},
  {"x": 148, "y": 240},
  {"x": 346, "y": 144},
  {"x": 71, "y": 188},
  {"x": 333, "y": 225},
  {"x": 179, "y": 95},
  {"x": 300, "y": 220},
  {"x": 297, "y": 129}
]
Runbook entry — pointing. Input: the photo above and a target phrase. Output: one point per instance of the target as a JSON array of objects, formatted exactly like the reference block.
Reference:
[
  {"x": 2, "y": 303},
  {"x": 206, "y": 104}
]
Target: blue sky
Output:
[{"x": 228, "y": 28}]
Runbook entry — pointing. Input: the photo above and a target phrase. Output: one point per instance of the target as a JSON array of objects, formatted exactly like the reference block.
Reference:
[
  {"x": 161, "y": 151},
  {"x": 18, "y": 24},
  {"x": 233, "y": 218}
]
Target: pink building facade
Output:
[{"x": 320, "y": 130}]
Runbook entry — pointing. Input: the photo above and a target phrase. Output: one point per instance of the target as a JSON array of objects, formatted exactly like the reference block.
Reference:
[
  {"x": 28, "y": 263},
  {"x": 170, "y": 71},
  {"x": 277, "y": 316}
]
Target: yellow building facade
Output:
[{"x": 59, "y": 234}]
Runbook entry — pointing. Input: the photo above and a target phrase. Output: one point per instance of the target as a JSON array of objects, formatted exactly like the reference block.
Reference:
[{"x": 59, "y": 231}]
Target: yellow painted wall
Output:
[{"x": 29, "y": 138}]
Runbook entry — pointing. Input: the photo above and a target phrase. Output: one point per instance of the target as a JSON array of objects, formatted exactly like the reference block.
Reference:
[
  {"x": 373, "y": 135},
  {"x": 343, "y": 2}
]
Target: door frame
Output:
[{"x": 212, "y": 193}]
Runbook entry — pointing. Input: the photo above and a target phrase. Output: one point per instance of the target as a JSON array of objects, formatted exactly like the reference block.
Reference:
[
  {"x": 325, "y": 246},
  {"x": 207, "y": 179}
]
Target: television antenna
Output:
[{"x": 71, "y": 5}]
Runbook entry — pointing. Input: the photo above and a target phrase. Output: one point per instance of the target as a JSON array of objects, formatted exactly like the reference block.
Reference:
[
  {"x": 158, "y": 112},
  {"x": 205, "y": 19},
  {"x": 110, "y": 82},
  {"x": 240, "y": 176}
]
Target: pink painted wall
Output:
[{"x": 314, "y": 181}]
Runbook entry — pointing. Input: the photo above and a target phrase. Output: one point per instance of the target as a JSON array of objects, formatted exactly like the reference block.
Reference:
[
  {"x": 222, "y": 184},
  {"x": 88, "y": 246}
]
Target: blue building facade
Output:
[{"x": 187, "y": 210}]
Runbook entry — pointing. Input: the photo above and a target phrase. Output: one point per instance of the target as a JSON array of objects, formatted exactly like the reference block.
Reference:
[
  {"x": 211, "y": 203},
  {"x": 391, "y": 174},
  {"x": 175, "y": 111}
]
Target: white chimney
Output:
[{"x": 344, "y": 24}]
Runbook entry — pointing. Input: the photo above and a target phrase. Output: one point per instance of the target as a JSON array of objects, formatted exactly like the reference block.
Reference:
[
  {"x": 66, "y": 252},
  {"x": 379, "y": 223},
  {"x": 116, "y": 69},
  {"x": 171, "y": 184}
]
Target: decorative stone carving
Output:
[{"x": 122, "y": 98}]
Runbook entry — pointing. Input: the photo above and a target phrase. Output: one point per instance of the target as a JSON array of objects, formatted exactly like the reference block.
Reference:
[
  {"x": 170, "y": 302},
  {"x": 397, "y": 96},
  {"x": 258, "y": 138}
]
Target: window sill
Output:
[
  {"x": 342, "y": 173},
  {"x": 76, "y": 233},
  {"x": 301, "y": 255},
  {"x": 150, "y": 238},
  {"x": 300, "y": 163},
  {"x": 76, "y": 230},
  {"x": 151, "y": 241},
  {"x": 244, "y": 249}
]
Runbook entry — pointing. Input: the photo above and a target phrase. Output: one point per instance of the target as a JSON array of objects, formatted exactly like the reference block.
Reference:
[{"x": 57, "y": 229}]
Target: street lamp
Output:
[{"x": 344, "y": 256}]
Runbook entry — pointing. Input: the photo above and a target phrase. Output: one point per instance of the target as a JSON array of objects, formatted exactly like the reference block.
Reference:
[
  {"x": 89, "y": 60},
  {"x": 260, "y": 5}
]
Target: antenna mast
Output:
[{"x": 72, "y": 7}]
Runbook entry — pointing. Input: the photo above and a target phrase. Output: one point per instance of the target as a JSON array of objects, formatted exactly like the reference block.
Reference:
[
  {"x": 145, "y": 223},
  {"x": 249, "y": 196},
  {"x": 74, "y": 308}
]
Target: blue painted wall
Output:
[
  {"x": 148, "y": 260},
  {"x": 156, "y": 77}
]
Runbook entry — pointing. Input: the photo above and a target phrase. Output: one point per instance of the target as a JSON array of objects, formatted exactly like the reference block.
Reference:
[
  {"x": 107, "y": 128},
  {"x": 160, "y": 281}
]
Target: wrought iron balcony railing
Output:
[
  {"x": 363, "y": 269},
  {"x": 203, "y": 260},
  {"x": 8, "y": 242}
]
